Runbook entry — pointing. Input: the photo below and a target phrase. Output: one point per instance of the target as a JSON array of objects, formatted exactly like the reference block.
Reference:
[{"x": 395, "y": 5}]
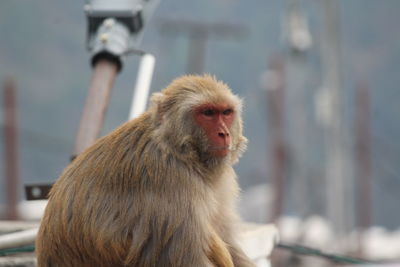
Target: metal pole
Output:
[
  {"x": 142, "y": 87},
  {"x": 11, "y": 148},
  {"x": 103, "y": 78}
]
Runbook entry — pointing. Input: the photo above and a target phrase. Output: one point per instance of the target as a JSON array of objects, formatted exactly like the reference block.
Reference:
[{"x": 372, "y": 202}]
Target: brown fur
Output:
[{"x": 149, "y": 194}]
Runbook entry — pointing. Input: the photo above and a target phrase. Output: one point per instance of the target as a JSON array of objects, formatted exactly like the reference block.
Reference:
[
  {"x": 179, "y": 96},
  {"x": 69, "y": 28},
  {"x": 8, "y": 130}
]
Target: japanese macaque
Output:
[{"x": 157, "y": 191}]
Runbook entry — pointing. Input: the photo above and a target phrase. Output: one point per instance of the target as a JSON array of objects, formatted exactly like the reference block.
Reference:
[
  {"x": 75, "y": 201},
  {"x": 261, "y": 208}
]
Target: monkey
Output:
[{"x": 159, "y": 190}]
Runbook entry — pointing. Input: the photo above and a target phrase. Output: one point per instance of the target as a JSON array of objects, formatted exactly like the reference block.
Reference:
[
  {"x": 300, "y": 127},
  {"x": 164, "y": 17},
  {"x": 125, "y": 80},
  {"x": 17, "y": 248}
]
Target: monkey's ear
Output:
[{"x": 157, "y": 100}]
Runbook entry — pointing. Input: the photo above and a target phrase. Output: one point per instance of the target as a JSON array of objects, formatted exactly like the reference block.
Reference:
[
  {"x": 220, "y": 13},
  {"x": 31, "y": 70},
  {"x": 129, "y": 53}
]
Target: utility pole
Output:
[
  {"x": 11, "y": 148},
  {"x": 299, "y": 41},
  {"x": 339, "y": 180},
  {"x": 363, "y": 161},
  {"x": 198, "y": 35}
]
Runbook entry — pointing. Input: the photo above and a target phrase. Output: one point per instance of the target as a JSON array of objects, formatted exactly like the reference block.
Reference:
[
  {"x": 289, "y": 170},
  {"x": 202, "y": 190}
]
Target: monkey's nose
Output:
[{"x": 223, "y": 135}]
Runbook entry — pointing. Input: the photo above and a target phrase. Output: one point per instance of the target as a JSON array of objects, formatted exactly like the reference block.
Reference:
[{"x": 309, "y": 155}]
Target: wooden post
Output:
[
  {"x": 103, "y": 78},
  {"x": 11, "y": 148},
  {"x": 363, "y": 161}
]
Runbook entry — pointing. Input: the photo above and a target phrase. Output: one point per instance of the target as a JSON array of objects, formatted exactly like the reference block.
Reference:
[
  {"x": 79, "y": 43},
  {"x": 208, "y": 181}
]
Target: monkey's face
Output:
[
  {"x": 216, "y": 120},
  {"x": 198, "y": 118}
]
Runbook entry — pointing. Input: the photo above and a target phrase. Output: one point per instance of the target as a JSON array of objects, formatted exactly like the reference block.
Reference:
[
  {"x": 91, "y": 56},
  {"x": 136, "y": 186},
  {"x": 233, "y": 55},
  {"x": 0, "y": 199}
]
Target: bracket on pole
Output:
[{"x": 116, "y": 27}]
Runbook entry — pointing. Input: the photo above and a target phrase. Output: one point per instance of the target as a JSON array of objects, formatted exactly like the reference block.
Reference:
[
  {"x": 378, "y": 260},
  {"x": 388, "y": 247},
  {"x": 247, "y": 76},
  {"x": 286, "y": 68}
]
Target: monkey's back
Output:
[{"x": 107, "y": 198}]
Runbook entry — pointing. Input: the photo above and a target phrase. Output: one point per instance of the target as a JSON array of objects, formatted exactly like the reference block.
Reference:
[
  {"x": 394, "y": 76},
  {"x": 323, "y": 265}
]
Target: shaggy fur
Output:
[{"x": 149, "y": 194}]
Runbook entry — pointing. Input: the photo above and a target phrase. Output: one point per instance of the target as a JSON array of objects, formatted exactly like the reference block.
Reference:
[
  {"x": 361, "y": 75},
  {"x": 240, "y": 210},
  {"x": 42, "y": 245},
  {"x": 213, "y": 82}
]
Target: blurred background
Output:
[{"x": 320, "y": 84}]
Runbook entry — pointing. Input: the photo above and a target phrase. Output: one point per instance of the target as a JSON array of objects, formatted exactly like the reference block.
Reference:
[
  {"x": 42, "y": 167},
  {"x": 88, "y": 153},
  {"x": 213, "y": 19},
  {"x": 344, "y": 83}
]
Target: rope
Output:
[{"x": 340, "y": 259}]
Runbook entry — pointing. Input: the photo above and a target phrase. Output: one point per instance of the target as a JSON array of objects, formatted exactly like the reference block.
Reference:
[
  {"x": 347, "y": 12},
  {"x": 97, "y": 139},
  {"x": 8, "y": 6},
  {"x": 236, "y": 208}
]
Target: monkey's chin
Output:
[{"x": 220, "y": 152}]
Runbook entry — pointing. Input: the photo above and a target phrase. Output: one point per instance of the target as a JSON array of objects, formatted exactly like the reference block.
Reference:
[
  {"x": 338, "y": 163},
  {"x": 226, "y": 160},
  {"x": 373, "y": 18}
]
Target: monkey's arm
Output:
[
  {"x": 239, "y": 258},
  {"x": 227, "y": 253},
  {"x": 228, "y": 234},
  {"x": 227, "y": 229},
  {"x": 227, "y": 219},
  {"x": 219, "y": 253}
]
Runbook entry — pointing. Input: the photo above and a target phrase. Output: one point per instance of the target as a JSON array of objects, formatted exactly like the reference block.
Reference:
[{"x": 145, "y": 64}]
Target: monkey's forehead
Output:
[
  {"x": 200, "y": 89},
  {"x": 218, "y": 100}
]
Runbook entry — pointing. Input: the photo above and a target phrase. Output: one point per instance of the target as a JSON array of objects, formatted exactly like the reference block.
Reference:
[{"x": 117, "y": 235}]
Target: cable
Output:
[
  {"x": 297, "y": 249},
  {"x": 8, "y": 251}
]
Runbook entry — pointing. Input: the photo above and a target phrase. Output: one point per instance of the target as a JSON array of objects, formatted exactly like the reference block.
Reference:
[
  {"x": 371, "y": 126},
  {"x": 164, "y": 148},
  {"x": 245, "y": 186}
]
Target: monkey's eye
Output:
[
  {"x": 228, "y": 111},
  {"x": 208, "y": 112}
]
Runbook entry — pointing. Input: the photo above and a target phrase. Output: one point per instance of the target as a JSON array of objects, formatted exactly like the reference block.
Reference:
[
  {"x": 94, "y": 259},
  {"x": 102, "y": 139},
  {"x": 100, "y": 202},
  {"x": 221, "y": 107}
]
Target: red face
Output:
[{"x": 216, "y": 120}]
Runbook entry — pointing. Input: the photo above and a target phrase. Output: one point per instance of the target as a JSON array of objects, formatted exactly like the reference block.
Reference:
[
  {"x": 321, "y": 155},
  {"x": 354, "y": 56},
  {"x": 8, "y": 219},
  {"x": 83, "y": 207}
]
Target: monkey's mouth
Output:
[
  {"x": 220, "y": 151},
  {"x": 227, "y": 147}
]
